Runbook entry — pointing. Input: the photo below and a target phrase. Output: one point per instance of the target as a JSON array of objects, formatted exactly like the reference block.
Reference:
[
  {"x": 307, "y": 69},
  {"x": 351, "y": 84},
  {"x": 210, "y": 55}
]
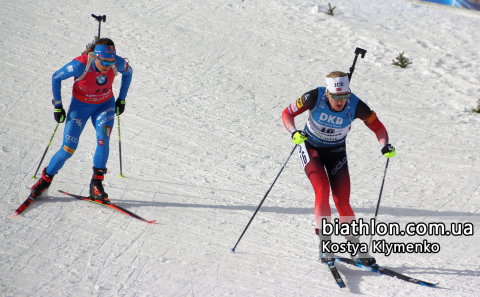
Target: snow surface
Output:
[{"x": 203, "y": 140}]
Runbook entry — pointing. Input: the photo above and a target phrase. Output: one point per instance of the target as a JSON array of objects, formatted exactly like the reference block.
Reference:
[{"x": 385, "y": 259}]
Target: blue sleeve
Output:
[
  {"x": 126, "y": 71},
  {"x": 74, "y": 68}
]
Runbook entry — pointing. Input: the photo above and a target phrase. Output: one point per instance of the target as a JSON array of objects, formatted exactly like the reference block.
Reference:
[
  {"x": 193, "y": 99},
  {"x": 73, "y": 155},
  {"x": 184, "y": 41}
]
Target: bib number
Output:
[{"x": 303, "y": 154}]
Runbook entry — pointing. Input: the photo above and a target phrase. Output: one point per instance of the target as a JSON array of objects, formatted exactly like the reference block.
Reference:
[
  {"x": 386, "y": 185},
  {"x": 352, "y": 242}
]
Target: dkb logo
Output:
[{"x": 331, "y": 119}]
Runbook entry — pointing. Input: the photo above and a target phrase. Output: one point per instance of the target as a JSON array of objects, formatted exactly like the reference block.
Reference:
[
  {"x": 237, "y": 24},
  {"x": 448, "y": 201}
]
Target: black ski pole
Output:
[
  {"x": 99, "y": 18},
  {"x": 51, "y": 138},
  {"x": 358, "y": 51},
  {"x": 233, "y": 250},
  {"x": 120, "y": 146},
  {"x": 379, "y": 197}
]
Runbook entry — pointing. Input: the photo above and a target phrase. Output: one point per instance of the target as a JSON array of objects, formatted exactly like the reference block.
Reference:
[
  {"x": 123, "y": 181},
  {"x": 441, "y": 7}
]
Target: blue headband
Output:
[{"x": 105, "y": 51}]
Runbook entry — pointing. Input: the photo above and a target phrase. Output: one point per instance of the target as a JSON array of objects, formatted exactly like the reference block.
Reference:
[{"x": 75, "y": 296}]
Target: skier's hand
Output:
[
  {"x": 299, "y": 137},
  {"x": 119, "y": 106},
  {"x": 59, "y": 114},
  {"x": 388, "y": 151}
]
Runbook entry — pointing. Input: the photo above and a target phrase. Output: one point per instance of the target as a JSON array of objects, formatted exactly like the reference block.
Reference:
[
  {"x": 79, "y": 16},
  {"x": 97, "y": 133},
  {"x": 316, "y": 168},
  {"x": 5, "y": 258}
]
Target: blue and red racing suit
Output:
[
  {"x": 323, "y": 154},
  {"x": 92, "y": 97}
]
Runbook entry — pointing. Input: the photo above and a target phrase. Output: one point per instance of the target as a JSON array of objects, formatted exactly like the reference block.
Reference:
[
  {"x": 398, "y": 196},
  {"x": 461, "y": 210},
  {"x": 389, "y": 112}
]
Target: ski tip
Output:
[{"x": 427, "y": 284}]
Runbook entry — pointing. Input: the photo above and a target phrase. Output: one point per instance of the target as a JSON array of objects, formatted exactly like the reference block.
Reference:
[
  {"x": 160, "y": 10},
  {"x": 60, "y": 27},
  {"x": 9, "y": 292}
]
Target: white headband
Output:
[{"x": 338, "y": 84}]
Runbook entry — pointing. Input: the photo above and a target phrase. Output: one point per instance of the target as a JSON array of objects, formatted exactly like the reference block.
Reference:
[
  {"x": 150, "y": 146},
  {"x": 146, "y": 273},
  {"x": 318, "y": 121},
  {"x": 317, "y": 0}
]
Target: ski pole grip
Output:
[
  {"x": 100, "y": 17},
  {"x": 361, "y": 51}
]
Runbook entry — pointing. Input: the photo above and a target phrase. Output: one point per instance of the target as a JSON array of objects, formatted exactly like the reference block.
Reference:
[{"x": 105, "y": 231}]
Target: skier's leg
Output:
[
  {"x": 339, "y": 177},
  {"x": 313, "y": 164},
  {"x": 319, "y": 180},
  {"x": 77, "y": 116},
  {"x": 74, "y": 124},
  {"x": 340, "y": 182},
  {"x": 102, "y": 120},
  {"x": 314, "y": 168}
]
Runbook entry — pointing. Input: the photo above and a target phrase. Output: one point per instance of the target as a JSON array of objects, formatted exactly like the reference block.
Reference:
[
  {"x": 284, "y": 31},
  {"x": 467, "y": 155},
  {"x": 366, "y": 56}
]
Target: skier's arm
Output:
[
  {"x": 369, "y": 117},
  {"x": 126, "y": 71},
  {"x": 75, "y": 69},
  {"x": 305, "y": 102}
]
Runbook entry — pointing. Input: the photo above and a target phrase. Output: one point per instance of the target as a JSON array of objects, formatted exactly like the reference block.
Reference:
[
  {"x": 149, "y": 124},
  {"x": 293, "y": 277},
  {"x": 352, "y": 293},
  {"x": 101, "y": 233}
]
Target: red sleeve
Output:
[
  {"x": 377, "y": 127},
  {"x": 288, "y": 121},
  {"x": 299, "y": 106}
]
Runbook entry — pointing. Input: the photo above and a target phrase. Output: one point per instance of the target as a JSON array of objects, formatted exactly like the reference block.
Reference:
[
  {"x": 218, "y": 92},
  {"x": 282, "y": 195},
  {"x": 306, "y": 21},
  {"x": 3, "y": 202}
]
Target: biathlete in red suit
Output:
[
  {"x": 92, "y": 98},
  {"x": 322, "y": 148}
]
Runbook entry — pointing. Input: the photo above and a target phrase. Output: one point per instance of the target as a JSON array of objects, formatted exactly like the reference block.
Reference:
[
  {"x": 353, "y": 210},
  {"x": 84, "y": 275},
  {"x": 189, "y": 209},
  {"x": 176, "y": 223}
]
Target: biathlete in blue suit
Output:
[
  {"x": 92, "y": 97},
  {"x": 323, "y": 153}
]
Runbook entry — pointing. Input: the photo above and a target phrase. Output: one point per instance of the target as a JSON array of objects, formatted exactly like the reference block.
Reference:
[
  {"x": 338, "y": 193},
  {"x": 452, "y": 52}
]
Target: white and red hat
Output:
[{"x": 338, "y": 84}]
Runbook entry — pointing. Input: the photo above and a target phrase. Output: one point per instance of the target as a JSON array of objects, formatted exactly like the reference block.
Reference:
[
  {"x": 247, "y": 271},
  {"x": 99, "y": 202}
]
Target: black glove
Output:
[
  {"x": 59, "y": 114},
  {"x": 119, "y": 106}
]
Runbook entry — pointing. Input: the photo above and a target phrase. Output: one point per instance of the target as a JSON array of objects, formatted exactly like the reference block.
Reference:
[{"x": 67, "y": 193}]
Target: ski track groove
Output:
[
  {"x": 34, "y": 144},
  {"x": 102, "y": 265},
  {"x": 61, "y": 272},
  {"x": 10, "y": 186},
  {"x": 25, "y": 92},
  {"x": 141, "y": 269},
  {"x": 202, "y": 48},
  {"x": 160, "y": 182},
  {"x": 24, "y": 265},
  {"x": 132, "y": 242},
  {"x": 461, "y": 197},
  {"x": 170, "y": 21},
  {"x": 471, "y": 197},
  {"x": 128, "y": 278},
  {"x": 227, "y": 179}
]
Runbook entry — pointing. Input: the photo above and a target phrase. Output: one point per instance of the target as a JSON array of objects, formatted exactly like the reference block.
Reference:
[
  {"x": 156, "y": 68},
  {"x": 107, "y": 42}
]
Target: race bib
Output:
[{"x": 303, "y": 154}]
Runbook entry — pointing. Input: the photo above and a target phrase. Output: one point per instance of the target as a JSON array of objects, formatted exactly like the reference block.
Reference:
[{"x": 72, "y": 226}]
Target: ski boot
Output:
[
  {"x": 42, "y": 185},
  {"x": 361, "y": 258},
  {"x": 97, "y": 193},
  {"x": 324, "y": 256}
]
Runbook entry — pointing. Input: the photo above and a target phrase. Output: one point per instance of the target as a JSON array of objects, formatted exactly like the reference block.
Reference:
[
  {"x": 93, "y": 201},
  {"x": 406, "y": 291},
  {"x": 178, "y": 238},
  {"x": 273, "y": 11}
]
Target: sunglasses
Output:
[
  {"x": 105, "y": 63},
  {"x": 339, "y": 97}
]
